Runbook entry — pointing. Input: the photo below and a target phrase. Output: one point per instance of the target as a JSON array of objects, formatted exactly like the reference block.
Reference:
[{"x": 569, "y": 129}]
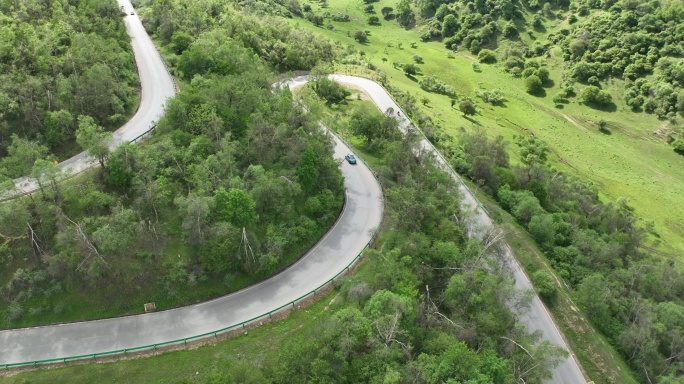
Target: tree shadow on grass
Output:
[
  {"x": 472, "y": 120},
  {"x": 605, "y": 108},
  {"x": 605, "y": 131},
  {"x": 539, "y": 93}
]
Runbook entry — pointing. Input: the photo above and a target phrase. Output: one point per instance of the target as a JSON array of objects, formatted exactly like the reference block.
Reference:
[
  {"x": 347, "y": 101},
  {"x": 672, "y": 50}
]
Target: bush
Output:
[
  {"x": 533, "y": 84},
  {"x": 418, "y": 59},
  {"x": 545, "y": 286},
  {"x": 340, "y": 17},
  {"x": 678, "y": 146},
  {"x": 411, "y": 69},
  {"x": 330, "y": 90},
  {"x": 373, "y": 20},
  {"x": 559, "y": 99},
  {"x": 486, "y": 56},
  {"x": 467, "y": 107},
  {"x": 430, "y": 84},
  {"x": 387, "y": 12},
  {"x": 509, "y": 30},
  {"x": 493, "y": 97},
  {"x": 593, "y": 95},
  {"x": 361, "y": 37}
]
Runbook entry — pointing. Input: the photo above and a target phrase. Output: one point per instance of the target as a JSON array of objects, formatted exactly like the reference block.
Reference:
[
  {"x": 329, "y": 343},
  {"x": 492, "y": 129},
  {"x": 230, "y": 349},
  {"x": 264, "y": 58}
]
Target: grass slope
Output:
[{"x": 629, "y": 161}]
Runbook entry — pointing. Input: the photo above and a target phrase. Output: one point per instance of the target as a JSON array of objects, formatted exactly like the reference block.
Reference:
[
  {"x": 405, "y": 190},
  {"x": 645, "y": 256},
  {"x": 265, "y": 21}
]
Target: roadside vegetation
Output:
[
  {"x": 60, "y": 61},
  {"x": 234, "y": 185},
  {"x": 566, "y": 113},
  {"x": 428, "y": 304},
  {"x": 560, "y": 138}
]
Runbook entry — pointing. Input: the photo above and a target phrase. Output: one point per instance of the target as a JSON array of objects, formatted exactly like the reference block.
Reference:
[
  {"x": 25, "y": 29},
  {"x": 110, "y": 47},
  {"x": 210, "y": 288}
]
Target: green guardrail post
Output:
[
  {"x": 185, "y": 341},
  {"x": 155, "y": 347},
  {"x": 125, "y": 352}
]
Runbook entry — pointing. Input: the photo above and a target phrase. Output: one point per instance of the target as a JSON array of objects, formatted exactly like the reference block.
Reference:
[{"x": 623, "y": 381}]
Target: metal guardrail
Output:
[{"x": 241, "y": 325}]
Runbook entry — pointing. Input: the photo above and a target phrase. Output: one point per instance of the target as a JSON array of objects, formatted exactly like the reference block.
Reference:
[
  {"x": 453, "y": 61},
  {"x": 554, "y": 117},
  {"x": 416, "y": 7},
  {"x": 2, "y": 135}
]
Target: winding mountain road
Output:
[
  {"x": 346, "y": 239},
  {"x": 349, "y": 235},
  {"x": 156, "y": 86},
  {"x": 536, "y": 317}
]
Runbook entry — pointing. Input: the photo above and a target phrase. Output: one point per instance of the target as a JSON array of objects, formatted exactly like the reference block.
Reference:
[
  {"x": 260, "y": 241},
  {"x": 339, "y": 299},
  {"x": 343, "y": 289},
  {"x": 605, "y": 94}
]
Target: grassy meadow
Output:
[{"x": 626, "y": 160}]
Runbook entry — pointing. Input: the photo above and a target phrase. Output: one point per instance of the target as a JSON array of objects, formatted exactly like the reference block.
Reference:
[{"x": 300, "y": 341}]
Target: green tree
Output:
[
  {"x": 361, "y": 37},
  {"x": 180, "y": 42},
  {"x": 59, "y": 127},
  {"x": 533, "y": 84},
  {"x": 467, "y": 107},
  {"x": 308, "y": 168},
  {"x": 597, "y": 300},
  {"x": 350, "y": 330},
  {"x": 235, "y": 206},
  {"x": 450, "y": 26},
  {"x": 218, "y": 253},
  {"x": 21, "y": 155},
  {"x": 46, "y": 171},
  {"x": 405, "y": 15},
  {"x": 366, "y": 124},
  {"x": 411, "y": 69},
  {"x": 93, "y": 139},
  {"x": 545, "y": 286}
]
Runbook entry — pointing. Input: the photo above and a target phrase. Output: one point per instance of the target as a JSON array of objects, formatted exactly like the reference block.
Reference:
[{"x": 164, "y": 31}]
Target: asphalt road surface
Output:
[{"x": 156, "y": 87}]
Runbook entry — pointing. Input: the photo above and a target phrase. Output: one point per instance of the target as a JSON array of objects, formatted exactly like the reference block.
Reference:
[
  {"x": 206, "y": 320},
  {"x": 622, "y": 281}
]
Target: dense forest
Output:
[
  {"x": 60, "y": 60},
  {"x": 432, "y": 306},
  {"x": 236, "y": 182}
]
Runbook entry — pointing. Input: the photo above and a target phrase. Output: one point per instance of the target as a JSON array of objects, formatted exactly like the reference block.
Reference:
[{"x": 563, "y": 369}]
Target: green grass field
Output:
[{"x": 628, "y": 162}]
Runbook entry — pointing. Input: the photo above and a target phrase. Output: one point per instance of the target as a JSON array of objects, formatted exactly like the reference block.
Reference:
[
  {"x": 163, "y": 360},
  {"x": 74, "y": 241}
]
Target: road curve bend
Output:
[
  {"x": 351, "y": 232},
  {"x": 156, "y": 86},
  {"x": 349, "y": 235},
  {"x": 537, "y": 317}
]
